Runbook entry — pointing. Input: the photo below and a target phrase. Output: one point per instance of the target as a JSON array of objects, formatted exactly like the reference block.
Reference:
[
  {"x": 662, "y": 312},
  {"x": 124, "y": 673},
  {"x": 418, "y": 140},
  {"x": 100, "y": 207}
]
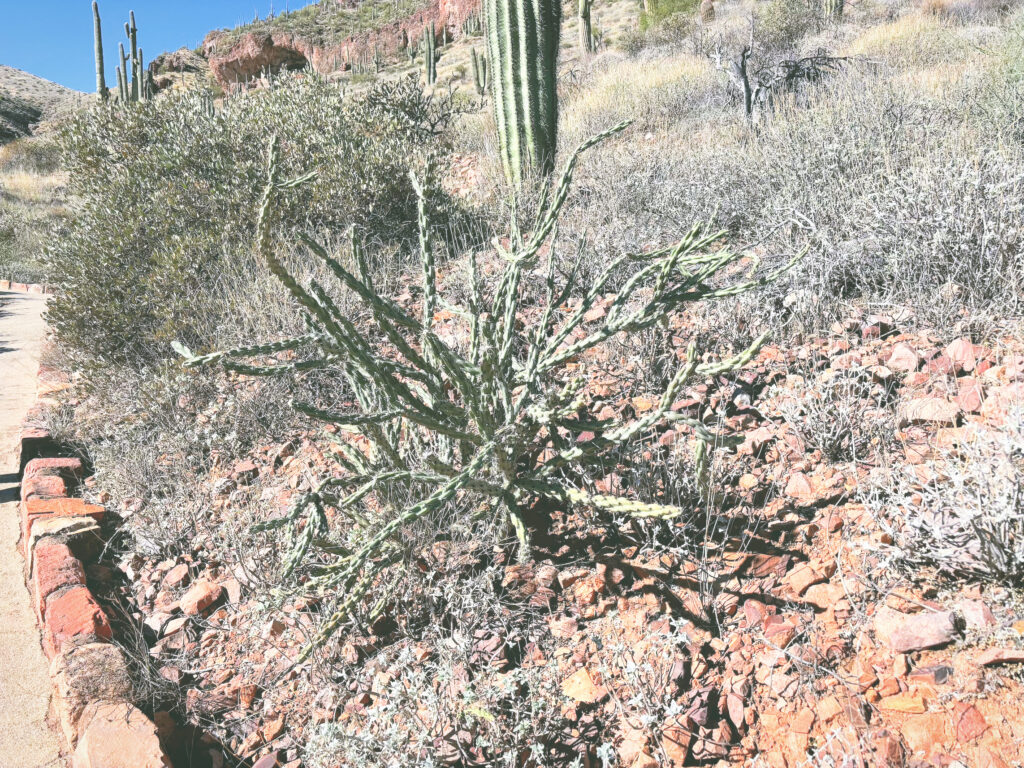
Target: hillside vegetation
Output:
[{"x": 705, "y": 453}]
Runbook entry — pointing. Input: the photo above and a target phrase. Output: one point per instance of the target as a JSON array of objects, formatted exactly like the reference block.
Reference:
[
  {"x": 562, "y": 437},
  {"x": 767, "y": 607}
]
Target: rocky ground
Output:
[{"x": 796, "y": 637}]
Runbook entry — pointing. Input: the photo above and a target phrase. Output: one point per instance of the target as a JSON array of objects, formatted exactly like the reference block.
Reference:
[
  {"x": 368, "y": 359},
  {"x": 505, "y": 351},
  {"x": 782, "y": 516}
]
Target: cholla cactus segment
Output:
[{"x": 494, "y": 405}]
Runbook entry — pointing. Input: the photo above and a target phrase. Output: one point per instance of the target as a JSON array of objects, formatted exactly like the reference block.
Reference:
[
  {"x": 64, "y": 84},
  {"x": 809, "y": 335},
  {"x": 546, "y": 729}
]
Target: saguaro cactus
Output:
[
  {"x": 522, "y": 48},
  {"x": 479, "y": 72},
  {"x": 101, "y": 80},
  {"x": 833, "y": 9},
  {"x": 430, "y": 54},
  {"x": 586, "y": 29}
]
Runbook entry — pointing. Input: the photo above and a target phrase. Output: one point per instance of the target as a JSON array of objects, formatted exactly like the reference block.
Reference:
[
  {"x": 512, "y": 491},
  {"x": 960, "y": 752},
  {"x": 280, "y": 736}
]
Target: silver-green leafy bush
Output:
[
  {"x": 497, "y": 414},
  {"x": 166, "y": 196}
]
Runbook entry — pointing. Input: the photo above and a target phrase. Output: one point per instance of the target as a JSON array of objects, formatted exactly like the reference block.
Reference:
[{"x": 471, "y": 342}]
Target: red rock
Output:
[
  {"x": 903, "y": 358},
  {"x": 925, "y": 733},
  {"x": 970, "y": 395},
  {"x": 928, "y": 410},
  {"x": 968, "y": 721},
  {"x": 903, "y": 702},
  {"x": 676, "y": 736},
  {"x": 73, "y": 614},
  {"x": 246, "y": 471},
  {"x": 828, "y": 709},
  {"x": 993, "y": 656},
  {"x": 940, "y": 365},
  {"x": 963, "y": 355},
  {"x": 178, "y": 576},
  {"x": 976, "y": 614},
  {"x": 118, "y": 736},
  {"x": 915, "y": 632},
  {"x": 200, "y": 596},
  {"x": 579, "y": 686},
  {"x": 935, "y": 674},
  {"x": 799, "y": 487},
  {"x": 53, "y": 568},
  {"x": 803, "y": 722},
  {"x": 271, "y": 760},
  {"x": 802, "y": 577},
  {"x": 83, "y": 674},
  {"x": 824, "y": 596},
  {"x": 889, "y": 687}
]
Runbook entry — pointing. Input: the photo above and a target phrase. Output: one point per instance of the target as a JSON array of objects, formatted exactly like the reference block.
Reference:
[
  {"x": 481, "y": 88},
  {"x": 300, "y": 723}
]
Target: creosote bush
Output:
[
  {"x": 494, "y": 410},
  {"x": 166, "y": 195}
]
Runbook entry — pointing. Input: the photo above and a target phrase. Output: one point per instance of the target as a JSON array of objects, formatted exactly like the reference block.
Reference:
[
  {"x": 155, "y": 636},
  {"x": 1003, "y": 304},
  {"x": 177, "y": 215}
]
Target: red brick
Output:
[
  {"x": 43, "y": 487},
  {"x": 35, "y": 442},
  {"x": 72, "y": 615},
  {"x": 65, "y": 467},
  {"x": 54, "y": 568},
  {"x": 34, "y": 510}
]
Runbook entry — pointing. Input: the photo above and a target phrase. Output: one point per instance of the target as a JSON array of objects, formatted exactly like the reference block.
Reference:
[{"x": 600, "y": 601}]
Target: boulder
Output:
[
  {"x": 83, "y": 674},
  {"x": 118, "y": 736}
]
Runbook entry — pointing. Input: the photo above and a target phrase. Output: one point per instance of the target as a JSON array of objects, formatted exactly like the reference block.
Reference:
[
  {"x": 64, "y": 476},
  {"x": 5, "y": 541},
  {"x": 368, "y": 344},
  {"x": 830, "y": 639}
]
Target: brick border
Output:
[
  {"x": 60, "y": 534},
  {"x": 9, "y": 285}
]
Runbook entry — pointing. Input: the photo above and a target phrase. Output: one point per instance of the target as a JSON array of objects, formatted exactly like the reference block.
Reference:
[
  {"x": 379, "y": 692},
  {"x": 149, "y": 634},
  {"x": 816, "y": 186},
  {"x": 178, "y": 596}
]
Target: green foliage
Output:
[
  {"x": 522, "y": 48},
  {"x": 665, "y": 9},
  {"x": 492, "y": 413},
  {"x": 166, "y": 193}
]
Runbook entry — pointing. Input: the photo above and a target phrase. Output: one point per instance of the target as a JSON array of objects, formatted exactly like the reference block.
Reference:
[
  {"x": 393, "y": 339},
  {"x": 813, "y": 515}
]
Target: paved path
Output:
[{"x": 26, "y": 741}]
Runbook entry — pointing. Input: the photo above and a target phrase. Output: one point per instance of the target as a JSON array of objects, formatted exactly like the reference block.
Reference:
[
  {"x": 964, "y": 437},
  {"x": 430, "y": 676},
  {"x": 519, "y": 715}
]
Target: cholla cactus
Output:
[
  {"x": 501, "y": 409},
  {"x": 707, "y": 11}
]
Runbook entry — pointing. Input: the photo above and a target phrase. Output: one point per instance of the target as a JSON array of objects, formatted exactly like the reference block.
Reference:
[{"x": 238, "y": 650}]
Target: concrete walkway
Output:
[{"x": 26, "y": 740}]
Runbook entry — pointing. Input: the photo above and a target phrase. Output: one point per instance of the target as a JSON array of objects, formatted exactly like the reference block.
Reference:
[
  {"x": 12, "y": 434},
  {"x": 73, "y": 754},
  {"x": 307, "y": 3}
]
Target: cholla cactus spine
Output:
[
  {"x": 522, "y": 48},
  {"x": 494, "y": 408}
]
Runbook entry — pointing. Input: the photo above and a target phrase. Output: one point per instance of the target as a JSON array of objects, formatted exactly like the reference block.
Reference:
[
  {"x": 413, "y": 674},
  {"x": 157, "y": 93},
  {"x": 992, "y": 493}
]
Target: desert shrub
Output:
[
  {"x": 668, "y": 23},
  {"x": 38, "y": 156},
  {"x": 167, "y": 194},
  {"x": 962, "y": 514},
  {"x": 780, "y": 24},
  {"x": 477, "y": 414},
  {"x": 663, "y": 10},
  {"x": 925, "y": 219},
  {"x": 843, "y": 413}
]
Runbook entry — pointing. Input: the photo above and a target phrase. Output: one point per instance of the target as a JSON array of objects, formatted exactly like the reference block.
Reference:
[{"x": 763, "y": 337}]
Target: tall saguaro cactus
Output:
[
  {"x": 522, "y": 48},
  {"x": 101, "y": 80},
  {"x": 586, "y": 28},
  {"x": 479, "y": 72},
  {"x": 833, "y": 9},
  {"x": 430, "y": 53}
]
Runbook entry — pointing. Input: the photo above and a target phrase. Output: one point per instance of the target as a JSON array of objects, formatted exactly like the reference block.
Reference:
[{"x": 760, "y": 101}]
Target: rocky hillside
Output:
[
  {"x": 27, "y": 100},
  {"x": 330, "y": 36}
]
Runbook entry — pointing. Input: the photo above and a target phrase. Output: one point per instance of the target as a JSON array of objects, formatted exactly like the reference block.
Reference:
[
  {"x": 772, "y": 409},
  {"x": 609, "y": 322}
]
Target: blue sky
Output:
[{"x": 53, "y": 38}]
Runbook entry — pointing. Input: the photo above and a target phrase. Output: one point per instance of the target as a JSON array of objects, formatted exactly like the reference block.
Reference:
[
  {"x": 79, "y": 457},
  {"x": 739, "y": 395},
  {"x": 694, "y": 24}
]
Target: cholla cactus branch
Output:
[{"x": 492, "y": 413}]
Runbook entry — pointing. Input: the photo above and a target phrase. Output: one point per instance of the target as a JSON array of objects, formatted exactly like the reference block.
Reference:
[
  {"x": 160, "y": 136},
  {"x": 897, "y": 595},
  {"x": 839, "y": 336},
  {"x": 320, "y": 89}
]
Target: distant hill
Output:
[{"x": 27, "y": 100}]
